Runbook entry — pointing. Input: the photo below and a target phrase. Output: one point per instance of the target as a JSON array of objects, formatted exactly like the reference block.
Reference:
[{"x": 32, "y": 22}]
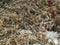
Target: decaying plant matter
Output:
[{"x": 29, "y": 22}]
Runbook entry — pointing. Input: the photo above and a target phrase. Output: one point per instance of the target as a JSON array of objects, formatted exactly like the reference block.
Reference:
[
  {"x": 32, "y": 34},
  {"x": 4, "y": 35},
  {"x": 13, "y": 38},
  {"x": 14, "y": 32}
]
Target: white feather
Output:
[{"x": 52, "y": 36}]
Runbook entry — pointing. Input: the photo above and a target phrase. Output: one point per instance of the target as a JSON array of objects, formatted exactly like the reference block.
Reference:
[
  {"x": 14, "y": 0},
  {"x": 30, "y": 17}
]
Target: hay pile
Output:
[{"x": 29, "y": 22}]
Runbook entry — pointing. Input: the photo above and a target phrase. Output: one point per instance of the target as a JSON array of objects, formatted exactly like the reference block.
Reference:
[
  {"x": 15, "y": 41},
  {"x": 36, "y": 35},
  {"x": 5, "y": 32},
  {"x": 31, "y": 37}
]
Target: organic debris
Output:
[{"x": 29, "y": 22}]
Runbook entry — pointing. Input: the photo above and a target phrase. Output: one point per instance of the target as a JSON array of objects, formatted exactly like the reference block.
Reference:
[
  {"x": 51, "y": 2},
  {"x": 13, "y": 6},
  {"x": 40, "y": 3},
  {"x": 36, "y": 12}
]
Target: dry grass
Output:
[{"x": 25, "y": 22}]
